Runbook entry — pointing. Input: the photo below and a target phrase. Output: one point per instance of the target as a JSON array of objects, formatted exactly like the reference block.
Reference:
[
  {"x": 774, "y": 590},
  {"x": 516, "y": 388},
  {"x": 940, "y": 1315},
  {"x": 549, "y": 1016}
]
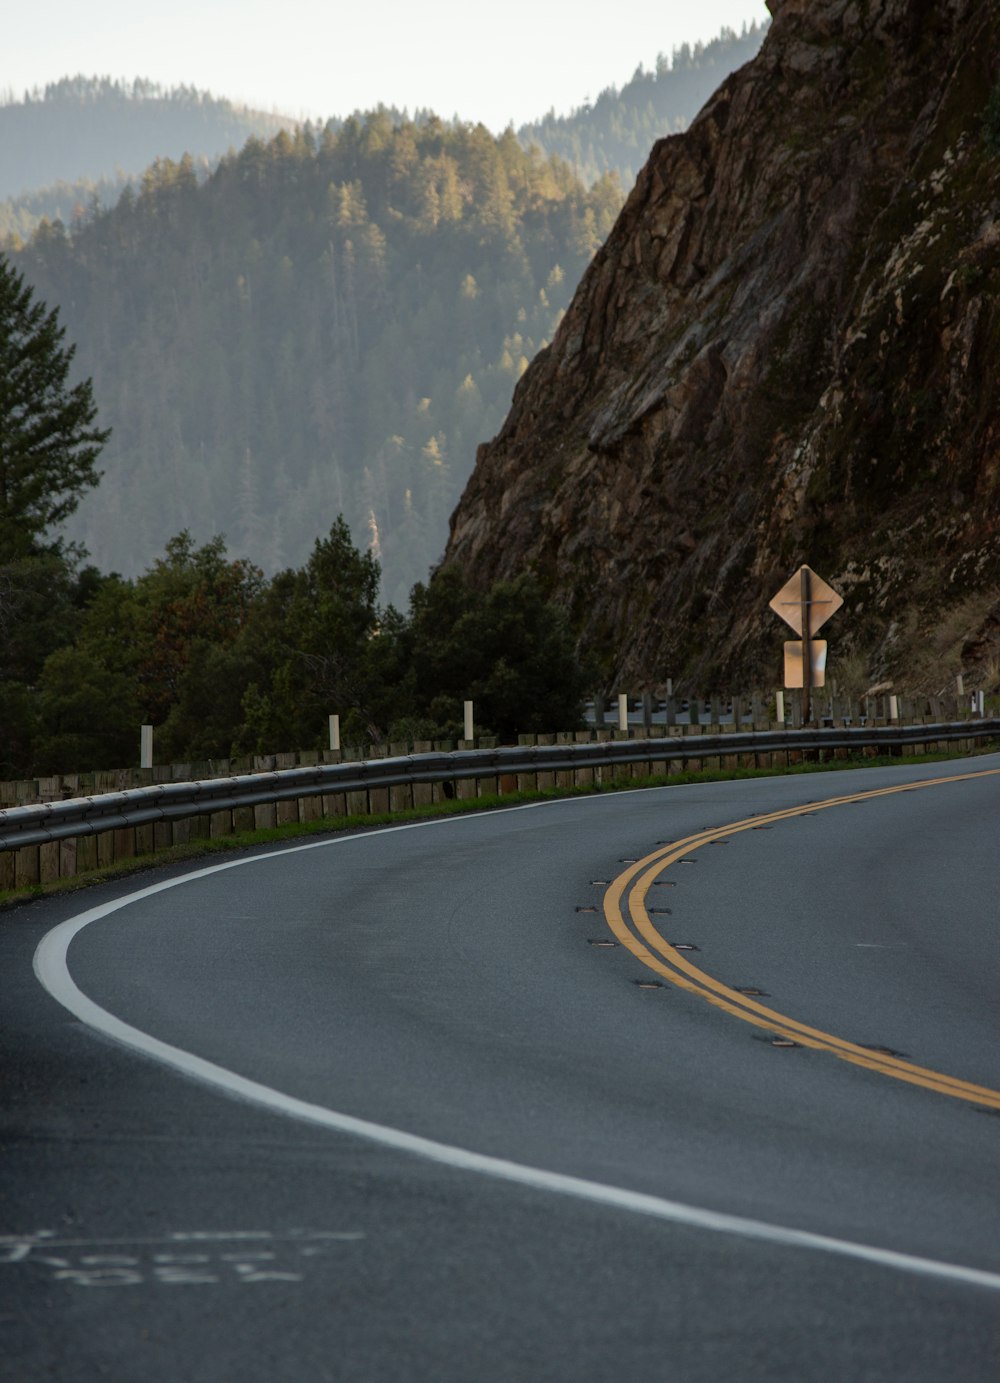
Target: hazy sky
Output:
[{"x": 507, "y": 61}]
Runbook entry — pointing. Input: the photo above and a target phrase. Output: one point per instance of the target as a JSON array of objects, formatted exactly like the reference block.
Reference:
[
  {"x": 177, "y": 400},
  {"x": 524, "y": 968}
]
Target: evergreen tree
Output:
[
  {"x": 159, "y": 650},
  {"x": 306, "y": 645},
  {"x": 43, "y": 601},
  {"x": 506, "y": 648},
  {"x": 48, "y": 439}
]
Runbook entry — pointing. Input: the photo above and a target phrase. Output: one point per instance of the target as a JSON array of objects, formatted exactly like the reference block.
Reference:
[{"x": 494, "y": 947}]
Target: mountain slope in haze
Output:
[
  {"x": 82, "y": 131},
  {"x": 787, "y": 350},
  {"x": 321, "y": 327},
  {"x": 21, "y": 216},
  {"x": 616, "y": 132}
]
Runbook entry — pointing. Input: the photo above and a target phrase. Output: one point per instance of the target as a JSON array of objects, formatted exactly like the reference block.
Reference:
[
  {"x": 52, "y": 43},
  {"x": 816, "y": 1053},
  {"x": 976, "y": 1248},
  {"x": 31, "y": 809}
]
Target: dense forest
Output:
[
  {"x": 616, "y": 132},
  {"x": 87, "y": 131},
  {"x": 324, "y": 326}
]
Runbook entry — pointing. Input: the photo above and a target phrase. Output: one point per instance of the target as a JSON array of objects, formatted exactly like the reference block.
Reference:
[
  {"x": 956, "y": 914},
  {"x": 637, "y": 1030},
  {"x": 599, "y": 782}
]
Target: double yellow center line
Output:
[{"x": 626, "y": 899}]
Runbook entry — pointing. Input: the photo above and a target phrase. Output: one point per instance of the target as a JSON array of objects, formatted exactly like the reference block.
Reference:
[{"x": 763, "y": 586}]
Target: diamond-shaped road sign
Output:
[{"x": 812, "y": 598}]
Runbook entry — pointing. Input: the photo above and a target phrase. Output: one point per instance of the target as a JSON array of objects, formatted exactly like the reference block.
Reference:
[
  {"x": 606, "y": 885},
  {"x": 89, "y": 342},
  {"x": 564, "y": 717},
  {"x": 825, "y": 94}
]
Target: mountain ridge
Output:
[
  {"x": 53, "y": 135},
  {"x": 97, "y": 152}
]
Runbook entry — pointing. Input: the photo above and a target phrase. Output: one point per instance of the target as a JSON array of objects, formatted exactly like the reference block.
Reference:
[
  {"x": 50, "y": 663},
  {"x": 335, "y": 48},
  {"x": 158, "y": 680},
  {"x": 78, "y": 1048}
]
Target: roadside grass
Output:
[{"x": 334, "y": 825}]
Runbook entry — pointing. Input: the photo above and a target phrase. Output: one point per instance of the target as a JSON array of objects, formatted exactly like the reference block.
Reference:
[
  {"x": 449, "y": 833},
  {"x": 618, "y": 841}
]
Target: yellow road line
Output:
[{"x": 636, "y": 880}]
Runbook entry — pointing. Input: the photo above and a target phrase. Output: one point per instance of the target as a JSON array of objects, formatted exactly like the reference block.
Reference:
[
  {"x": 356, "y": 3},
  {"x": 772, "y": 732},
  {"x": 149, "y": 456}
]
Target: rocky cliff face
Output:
[{"x": 787, "y": 350}]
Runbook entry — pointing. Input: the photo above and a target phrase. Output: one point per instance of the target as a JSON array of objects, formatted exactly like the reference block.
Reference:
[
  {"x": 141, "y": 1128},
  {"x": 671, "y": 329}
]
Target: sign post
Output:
[{"x": 806, "y": 602}]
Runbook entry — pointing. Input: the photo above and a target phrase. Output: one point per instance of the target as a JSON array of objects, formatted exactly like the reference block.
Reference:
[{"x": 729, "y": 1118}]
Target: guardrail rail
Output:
[{"x": 49, "y": 840}]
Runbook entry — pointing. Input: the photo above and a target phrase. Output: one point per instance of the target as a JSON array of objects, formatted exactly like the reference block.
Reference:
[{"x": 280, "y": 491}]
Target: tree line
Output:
[
  {"x": 222, "y": 660},
  {"x": 82, "y": 139},
  {"x": 615, "y": 132}
]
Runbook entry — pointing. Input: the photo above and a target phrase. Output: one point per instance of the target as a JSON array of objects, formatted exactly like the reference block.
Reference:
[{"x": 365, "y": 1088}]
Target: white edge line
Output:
[{"x": 52, "y": 969}]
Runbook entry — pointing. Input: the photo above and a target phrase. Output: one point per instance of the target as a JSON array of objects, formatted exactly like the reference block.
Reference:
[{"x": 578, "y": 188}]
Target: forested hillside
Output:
[
  {"x": 617, "y": 131},
  {"x": 83, "y": 130},
  {"x": 321, "y": 327}
]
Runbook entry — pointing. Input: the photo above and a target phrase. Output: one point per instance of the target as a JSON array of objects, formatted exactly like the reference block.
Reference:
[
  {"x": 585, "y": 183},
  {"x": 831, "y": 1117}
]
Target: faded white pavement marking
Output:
[
  {"x": 51, "y": 967},
  {"x": 210, "y": 1266}
]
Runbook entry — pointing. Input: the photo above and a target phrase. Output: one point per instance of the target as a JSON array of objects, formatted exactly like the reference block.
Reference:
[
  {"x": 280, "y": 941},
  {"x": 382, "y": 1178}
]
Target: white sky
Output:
[{"x": 496, "y": 63}]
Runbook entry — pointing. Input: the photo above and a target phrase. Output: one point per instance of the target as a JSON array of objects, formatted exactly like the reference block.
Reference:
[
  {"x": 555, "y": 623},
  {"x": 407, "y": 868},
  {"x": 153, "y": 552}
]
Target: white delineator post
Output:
[
  {"x": 779, "y": 707},
  {"x": 145, "y": 746},
  {"x": 893, "y": 706},
  {"x": 622, "y": 711},
  {"x": 469, "y": 729},
  {"x": 335, "y": 733}
]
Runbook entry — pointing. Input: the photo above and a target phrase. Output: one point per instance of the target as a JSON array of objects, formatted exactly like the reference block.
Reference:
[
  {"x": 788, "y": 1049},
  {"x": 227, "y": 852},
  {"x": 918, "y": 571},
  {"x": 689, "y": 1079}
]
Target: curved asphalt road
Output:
[{"x": 441, "y": 981}]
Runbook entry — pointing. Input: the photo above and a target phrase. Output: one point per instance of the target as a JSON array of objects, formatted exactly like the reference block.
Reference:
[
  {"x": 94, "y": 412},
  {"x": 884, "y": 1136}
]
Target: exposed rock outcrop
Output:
[{"x": 787, "y": 350}]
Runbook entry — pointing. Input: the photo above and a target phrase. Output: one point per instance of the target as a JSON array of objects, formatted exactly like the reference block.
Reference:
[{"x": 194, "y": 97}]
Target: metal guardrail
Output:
[{"x": 84, "y": 816}]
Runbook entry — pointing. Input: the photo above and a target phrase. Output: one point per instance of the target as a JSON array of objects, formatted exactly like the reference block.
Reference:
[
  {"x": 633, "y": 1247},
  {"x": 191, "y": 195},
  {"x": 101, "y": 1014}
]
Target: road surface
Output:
[{"x": 391, "y": 1107}]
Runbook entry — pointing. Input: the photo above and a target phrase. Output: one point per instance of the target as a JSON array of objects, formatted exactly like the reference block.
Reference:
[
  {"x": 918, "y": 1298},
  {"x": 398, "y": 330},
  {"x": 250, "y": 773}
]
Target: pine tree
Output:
[{"x": 48, "y": 440}]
